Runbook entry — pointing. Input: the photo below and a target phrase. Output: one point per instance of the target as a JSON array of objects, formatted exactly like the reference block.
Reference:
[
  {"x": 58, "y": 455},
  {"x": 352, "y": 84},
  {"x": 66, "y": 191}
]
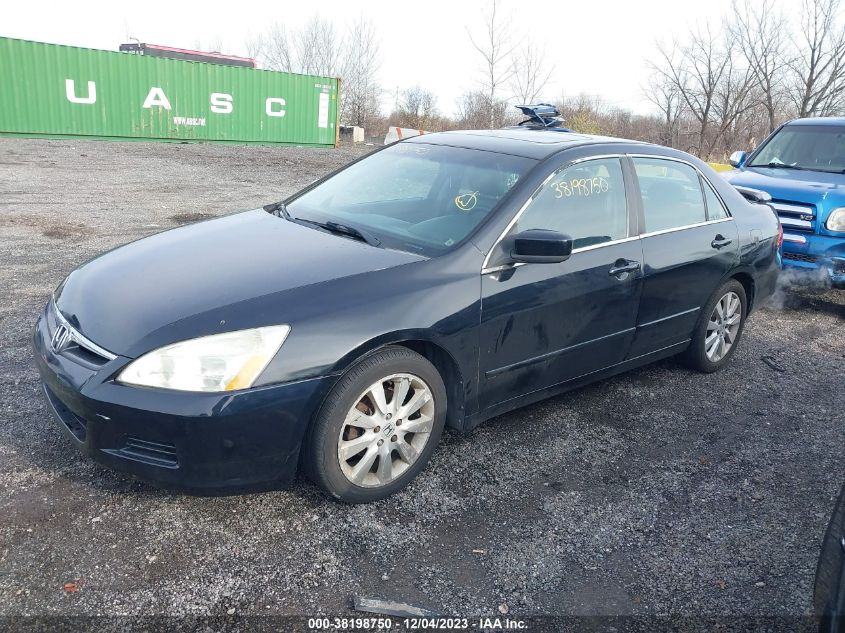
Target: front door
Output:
[{"x": 545, "y": 324}]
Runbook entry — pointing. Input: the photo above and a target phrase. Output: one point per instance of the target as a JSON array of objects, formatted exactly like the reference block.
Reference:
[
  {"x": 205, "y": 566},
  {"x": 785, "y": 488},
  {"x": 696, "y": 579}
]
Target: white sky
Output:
[{"x": 594, "y": 47}]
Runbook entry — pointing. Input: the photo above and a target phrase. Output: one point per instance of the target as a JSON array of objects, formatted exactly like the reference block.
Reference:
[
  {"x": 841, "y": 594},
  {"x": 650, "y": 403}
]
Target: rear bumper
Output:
[
  {"x": 194, "y": 441},
  {"x": 820, "y": 255}
]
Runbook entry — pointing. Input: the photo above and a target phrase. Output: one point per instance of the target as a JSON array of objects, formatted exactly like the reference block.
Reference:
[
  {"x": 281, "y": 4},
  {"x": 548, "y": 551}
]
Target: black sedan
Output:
[
  {"x": 438, "y": 282},
  {"x": 829, "y": 594}
]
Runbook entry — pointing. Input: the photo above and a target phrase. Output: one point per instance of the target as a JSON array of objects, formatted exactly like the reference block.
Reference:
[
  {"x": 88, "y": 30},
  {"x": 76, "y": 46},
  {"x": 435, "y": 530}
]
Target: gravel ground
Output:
[{"x": 661, "y": 492}]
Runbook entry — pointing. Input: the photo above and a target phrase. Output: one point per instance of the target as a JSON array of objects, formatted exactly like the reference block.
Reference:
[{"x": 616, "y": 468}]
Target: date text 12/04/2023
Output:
[{"x": 417, "y": 623}]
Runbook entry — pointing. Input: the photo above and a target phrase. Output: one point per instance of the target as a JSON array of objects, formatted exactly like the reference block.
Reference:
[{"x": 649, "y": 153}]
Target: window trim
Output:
[
  {"x": 700, "y": 175},
  {"x": 485, "y": 269},
  {"x": 686, "y": 226},
  {"x": 630, "y": 175},
  {"x": 706, "y": 183}
]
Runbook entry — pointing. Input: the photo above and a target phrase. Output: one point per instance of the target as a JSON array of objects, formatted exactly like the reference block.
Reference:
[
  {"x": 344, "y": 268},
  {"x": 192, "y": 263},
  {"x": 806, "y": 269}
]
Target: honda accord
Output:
[{"x": 440, "y": 281}]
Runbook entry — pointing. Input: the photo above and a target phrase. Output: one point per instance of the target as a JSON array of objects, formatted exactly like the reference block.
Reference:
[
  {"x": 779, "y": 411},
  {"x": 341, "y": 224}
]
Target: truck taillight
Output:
[{"x": 780, "y": 234}]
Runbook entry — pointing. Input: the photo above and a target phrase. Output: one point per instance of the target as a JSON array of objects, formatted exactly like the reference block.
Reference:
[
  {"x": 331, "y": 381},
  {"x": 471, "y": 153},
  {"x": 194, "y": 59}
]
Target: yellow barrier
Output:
[{"x": 720, "y": 166}]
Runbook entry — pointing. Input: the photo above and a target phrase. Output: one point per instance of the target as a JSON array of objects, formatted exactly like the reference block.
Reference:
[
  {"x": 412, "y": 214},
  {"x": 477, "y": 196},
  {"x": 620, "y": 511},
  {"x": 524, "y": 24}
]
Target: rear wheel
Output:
[
  {"x": 378, "y": 426},
  {"x": 719, "y": 329}
]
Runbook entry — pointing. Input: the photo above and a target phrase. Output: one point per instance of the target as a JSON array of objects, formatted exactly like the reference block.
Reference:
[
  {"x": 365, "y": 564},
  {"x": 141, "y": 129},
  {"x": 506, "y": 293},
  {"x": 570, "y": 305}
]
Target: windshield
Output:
[
  {"x": 413, "y": 196},
  {"x": 814, "y": 147}
]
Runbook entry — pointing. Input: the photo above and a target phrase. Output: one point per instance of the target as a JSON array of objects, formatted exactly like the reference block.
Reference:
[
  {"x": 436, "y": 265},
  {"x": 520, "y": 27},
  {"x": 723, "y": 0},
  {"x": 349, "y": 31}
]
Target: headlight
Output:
[
  {"x": 221, "y": 362},
  {"x": 836, "y": 220}
]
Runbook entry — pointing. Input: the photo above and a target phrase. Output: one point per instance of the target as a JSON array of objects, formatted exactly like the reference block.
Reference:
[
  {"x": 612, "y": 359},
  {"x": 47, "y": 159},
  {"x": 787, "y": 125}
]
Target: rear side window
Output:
[
  {"x": 715, "y": 208},
  {"x": 585, "y": 201},
  {"x": 671, "y": 191}
]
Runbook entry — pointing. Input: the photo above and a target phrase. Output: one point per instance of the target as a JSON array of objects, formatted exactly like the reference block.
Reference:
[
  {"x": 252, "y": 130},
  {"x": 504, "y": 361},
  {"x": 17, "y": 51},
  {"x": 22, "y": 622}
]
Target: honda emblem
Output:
[{"x": 61, "y": 338}]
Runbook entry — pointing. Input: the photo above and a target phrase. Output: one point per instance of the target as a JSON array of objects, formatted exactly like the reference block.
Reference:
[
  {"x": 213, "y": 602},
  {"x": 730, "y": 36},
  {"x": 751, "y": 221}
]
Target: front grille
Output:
[
  {"x": 76, "y": 425},
  {"x": 85, "y": 356},
  {"x": 795, "y": 216},
  {"x": 153, "y": 453},
  {"x": 800, "y": 257}
]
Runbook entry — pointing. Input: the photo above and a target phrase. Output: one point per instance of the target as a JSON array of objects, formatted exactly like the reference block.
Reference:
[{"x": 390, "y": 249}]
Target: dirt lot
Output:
[{"x": 658, "y": 493}]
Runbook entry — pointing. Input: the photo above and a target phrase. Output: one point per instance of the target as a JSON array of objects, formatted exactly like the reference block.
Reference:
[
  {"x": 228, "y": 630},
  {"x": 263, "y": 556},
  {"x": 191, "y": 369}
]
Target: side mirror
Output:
[
  {"x": 538, "y": 246},
  {"x": 754, "y": 195},
  {"x": 737, "y": 159}
]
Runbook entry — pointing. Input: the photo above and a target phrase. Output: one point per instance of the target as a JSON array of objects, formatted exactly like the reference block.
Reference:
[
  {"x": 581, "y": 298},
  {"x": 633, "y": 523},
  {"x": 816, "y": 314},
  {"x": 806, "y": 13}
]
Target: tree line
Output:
[
  {"x": 715, "y": 87},
  {"x": 730, "y": 84}
]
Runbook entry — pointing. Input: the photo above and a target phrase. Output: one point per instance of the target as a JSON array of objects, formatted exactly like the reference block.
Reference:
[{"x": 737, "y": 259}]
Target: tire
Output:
[
  {"x": 699, "y": 355},
  {"x": 356, "y": 425}
]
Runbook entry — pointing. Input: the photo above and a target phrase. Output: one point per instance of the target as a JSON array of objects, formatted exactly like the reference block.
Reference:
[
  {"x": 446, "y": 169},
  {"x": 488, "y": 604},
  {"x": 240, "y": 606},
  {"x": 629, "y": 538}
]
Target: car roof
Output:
[
  {"x": 537, "y": 143},
  {"x": 832, "y": 121}
]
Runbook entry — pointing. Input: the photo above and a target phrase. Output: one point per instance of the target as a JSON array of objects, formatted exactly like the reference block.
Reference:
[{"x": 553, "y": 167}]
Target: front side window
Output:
[
  {"x": 585, "y": 201},
  {"x": 414, "y": 196},
  {"x": 814, "y": 147},
  {"x": 671, "y": 192}
]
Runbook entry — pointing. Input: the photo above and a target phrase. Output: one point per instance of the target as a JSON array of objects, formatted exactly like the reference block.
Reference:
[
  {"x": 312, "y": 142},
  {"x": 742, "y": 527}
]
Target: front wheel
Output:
[
  {"x": 719, "y": 329},
  {"x": 378, "y": 427}
]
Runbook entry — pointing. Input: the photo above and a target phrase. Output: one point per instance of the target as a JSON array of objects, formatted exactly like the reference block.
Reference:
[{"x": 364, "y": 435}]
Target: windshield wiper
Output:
[
  {"x": 779, "y": 166},
  {"x": 344, "y": 229},
  {"x": 278, "y": 209}
]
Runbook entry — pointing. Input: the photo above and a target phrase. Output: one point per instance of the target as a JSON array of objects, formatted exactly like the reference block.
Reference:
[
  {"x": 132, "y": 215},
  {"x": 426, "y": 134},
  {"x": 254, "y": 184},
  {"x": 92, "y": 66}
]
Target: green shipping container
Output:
[{"x": 52, "y": 90}]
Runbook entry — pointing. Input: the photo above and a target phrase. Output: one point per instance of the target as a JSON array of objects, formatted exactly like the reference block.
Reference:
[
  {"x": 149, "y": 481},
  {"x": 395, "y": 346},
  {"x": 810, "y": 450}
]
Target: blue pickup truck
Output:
[{"x": 802, "y": 166}]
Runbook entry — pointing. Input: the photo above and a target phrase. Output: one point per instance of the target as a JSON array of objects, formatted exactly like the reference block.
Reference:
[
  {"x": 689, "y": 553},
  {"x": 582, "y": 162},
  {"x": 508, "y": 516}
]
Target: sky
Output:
[{"x": 595, "y": 48}]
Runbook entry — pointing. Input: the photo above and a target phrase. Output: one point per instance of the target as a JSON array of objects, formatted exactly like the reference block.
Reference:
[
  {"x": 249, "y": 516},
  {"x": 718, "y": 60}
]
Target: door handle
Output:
[
  {"x": 720, "y": 241},
  {"x": 622, "y": 266}
]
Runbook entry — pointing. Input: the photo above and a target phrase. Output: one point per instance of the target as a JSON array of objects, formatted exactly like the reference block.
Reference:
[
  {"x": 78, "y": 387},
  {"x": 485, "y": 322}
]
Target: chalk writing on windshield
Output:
[{"x": 466, "y": 201}]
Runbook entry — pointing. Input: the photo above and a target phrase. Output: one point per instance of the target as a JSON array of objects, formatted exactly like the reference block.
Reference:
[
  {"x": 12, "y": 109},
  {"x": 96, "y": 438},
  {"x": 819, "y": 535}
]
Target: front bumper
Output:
[
  {"x": 194, "y": 441},
  {"x": 821, "y": 255}
]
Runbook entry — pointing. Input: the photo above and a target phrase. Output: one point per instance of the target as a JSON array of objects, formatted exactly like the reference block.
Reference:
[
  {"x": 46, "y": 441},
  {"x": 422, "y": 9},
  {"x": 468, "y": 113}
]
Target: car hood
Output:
[
  {"x": 810, "y": 187},
  {"x": 220, "y": 275}
]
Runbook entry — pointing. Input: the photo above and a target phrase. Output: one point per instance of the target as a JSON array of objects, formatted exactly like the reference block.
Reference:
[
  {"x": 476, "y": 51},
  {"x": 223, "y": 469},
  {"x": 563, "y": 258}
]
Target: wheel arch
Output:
[
  {"x": 454, "y": 378},
  {"x": 747, "y": 280},
  {"x": 451, "y": 374}
]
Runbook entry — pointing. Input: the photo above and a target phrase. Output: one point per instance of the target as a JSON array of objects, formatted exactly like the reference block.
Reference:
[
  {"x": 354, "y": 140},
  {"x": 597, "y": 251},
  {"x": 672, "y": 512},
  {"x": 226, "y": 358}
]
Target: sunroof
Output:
[{"x": 549, "y": 136}]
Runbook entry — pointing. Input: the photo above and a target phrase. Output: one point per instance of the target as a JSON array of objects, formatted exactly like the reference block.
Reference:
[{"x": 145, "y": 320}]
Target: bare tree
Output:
[
  {"x": 585, "y": 113},
  {"x": 819, "y": 67},
  {"x": 758, "y": 32},
  {"x": 360, "y": 91},
  {"x": 277, "y": 51},
  {"x": 314, "y": 49},
  {"x": 475, "y": 110},
  {"x": 255, "y": 46},
  {"x": 318, "y": 48},
  {"x": 694, "y": 87},
  {"x": 713, "y": 89},
  {"x": 530, "y": 72},
  {"x": 417, "y": 108},
  {"x": 733, "y": 100},
  {"x": 495, "y": 47},
  {"x": 664, "y": 93}
]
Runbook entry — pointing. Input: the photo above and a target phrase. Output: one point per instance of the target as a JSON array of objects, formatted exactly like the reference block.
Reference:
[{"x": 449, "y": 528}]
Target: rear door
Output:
[{"x": 689, "y": 244}]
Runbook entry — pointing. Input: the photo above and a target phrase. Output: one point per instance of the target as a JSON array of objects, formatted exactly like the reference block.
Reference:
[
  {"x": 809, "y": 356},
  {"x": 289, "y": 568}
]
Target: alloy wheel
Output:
[
  {"x": 723, "y": 327},
  {"x": 386, "y": 429}
]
